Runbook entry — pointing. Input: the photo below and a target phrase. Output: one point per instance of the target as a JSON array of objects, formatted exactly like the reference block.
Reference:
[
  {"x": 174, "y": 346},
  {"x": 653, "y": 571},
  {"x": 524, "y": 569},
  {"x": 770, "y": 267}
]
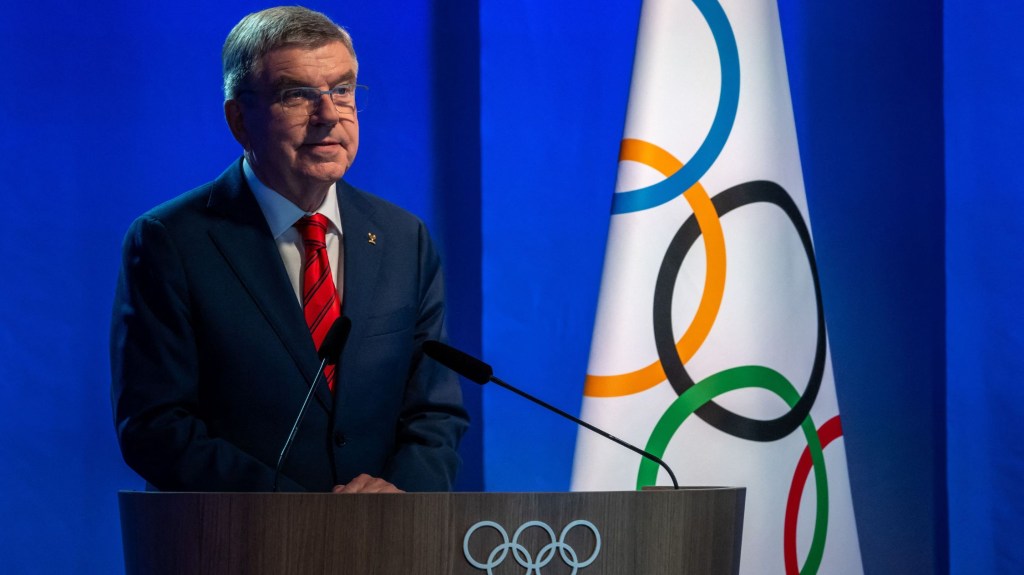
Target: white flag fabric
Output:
[{"x": 709, "y": 345}]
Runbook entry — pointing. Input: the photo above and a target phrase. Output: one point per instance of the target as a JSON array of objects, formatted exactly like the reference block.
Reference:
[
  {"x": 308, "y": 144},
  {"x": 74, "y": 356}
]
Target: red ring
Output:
[{"x": 827, "y": 433}]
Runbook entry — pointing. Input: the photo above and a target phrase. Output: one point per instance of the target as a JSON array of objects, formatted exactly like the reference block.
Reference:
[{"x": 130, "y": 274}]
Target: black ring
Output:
[{"x": 712, "y": 413}]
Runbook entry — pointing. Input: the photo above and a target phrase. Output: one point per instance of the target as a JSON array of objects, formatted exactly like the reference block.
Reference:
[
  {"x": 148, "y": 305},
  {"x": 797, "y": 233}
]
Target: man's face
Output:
[{"x": 297, "y": 155}]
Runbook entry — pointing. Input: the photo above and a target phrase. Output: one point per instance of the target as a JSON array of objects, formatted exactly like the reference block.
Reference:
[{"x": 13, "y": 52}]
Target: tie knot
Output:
[{"x": 313, "y": 228}]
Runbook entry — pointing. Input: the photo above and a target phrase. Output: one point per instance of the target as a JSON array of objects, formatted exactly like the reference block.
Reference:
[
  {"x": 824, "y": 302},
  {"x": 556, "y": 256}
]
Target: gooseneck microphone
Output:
[
  {"x": 330, "y": 350},
  {"x": 477, "y": 371}
]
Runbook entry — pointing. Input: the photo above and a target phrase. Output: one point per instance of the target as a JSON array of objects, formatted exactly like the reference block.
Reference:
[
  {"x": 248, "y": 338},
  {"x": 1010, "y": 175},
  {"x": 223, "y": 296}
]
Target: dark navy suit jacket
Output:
[{"x": 211, "y": 357}]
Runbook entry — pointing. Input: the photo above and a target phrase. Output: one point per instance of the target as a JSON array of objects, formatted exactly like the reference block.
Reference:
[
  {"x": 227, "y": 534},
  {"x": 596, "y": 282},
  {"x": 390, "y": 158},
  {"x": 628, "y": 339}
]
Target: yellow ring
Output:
[{"x": 714, "y": 281}]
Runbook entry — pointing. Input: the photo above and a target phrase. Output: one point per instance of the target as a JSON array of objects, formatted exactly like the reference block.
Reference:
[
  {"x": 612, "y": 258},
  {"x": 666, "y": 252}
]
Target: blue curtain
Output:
[
  {"x": 867, "y": 94},
  {"x": 984, "y": 88},
  {"x": 112, "y": 107}
]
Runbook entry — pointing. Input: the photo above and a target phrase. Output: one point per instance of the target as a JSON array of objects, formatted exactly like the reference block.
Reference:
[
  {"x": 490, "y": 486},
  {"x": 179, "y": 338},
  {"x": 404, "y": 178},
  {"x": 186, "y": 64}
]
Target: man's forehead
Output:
[{"x": 331, "y": 61}]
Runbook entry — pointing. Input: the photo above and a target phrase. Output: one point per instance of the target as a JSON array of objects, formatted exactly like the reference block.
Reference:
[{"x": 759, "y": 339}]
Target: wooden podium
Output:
[{"x": 690, "y": 531}]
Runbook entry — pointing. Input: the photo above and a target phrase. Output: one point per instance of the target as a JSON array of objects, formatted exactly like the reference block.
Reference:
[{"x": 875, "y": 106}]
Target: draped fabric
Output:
[
  {"x": 984, "y": 86},
  {"x": 711, "y": 271}
]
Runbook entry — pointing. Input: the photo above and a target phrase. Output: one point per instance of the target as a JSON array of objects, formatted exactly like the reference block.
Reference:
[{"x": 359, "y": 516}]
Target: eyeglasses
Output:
[{"x": 306, "y": 100}]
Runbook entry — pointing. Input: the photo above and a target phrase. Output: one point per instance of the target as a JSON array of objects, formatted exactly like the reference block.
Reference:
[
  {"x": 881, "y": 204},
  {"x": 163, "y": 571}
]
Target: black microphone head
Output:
[
  {"x": 335, "y": 339},
  {"x": 461, "y": 363}
]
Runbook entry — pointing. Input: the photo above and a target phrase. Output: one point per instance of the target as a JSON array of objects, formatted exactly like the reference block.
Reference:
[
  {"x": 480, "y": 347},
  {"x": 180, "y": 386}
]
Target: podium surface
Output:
[{"x": 689, "y": 531}]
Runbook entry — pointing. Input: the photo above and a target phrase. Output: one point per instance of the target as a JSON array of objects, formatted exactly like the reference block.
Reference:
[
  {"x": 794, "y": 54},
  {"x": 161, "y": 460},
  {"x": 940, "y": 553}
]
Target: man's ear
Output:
[{"x": 233, "y": 113}]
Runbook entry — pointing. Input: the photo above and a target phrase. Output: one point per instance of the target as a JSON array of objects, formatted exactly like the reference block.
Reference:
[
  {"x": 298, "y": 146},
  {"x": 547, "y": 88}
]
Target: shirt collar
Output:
[{"x": 280, "y": 212}]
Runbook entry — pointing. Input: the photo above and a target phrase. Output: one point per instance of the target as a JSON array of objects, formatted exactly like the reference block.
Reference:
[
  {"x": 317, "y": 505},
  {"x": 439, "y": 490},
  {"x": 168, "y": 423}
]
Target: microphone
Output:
[
  {"x": 330, "y": 349},
  {"x": 479, "y": 372}
]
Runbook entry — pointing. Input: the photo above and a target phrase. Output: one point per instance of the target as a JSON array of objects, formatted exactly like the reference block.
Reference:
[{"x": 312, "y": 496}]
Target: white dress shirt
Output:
[{"x": 281, "y": 216}]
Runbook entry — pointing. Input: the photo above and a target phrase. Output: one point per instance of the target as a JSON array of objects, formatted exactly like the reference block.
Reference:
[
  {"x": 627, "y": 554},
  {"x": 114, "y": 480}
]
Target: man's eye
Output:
[
  {"x": 343, "y": 90},
  {"x": 294, "y": 95}
]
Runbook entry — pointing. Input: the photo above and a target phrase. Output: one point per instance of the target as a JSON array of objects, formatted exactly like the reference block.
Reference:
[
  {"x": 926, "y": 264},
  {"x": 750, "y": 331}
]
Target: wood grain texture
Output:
[{"x": 691, "y": 531}]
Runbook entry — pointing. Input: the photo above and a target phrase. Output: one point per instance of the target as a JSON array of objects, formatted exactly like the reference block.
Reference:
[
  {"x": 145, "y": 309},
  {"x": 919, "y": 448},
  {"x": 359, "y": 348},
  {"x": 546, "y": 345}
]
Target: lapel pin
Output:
[{"x": 372, "y": 238}]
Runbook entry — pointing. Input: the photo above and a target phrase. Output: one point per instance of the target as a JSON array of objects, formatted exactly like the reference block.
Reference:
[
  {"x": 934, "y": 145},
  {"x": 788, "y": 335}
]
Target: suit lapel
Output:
[
  {"x": 244, "y": 239},
  {"x": 362, "y": 262},
  {"x": 362, "y": 256}
]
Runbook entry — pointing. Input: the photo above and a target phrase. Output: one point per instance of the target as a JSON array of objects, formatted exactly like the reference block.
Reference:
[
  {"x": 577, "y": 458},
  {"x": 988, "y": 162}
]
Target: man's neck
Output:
[{"x": 307, "y": 197}]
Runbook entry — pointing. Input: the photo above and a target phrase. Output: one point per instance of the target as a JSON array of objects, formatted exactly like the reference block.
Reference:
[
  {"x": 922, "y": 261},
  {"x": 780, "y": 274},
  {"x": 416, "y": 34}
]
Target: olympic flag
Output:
[{"x": 709, "y": 345}]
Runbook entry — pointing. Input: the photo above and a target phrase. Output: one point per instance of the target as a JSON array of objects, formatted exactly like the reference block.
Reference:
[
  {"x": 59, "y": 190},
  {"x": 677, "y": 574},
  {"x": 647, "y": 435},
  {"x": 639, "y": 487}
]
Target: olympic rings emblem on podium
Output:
[{"x": 522, "y": 555}]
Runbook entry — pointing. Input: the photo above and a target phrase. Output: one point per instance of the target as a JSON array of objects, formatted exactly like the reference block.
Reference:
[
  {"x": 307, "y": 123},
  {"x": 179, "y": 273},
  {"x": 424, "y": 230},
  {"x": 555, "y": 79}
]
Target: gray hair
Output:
[{"x": 261, "y": 32}]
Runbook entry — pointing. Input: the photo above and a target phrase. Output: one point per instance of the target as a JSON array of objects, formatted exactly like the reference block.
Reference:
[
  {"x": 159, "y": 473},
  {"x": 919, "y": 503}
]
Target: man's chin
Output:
[{"x": 327, "y": 172}]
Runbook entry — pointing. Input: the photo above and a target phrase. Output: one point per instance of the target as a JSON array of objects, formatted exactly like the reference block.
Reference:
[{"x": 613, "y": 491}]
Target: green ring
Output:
[{"x": 750, "y": 376}]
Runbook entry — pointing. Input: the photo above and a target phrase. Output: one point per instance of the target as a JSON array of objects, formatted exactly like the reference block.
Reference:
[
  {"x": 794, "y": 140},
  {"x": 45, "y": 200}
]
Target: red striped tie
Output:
[{"x": 320, "y": 301}]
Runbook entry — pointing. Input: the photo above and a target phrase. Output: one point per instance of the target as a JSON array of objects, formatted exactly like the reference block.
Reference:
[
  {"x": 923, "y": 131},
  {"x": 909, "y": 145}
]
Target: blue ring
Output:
[{"x": 728, "y": 101}]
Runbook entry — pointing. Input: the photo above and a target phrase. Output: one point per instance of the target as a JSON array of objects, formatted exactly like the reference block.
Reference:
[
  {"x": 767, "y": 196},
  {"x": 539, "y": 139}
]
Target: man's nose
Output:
[{"x": 326, "y": 111}]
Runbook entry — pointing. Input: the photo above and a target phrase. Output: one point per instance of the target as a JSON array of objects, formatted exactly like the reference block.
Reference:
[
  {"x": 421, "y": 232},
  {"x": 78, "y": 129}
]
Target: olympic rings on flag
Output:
[
  {"x": 750, "y": 376},
  {"x": 699, "y": 397},
  {"x": 714, "y": 414},
  {"x": 714, "y": 280},
  {"x": 683, "y": 178}
]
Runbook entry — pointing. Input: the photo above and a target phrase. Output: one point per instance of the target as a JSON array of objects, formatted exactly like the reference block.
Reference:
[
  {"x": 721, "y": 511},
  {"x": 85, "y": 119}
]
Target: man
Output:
[{"x": 226, "y": 292}]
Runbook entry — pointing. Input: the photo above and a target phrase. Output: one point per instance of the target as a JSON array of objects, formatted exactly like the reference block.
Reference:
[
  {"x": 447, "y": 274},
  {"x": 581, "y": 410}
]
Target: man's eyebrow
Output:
[
  {"x": 287, "y": 82},
  {"x": 346, "y": 78}
]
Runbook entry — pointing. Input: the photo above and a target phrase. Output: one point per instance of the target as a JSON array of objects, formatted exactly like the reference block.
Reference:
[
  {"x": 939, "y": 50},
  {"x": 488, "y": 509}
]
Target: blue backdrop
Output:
[
  {"x": 499, "y": 123},
  {"x": 984, "y": 85}
]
